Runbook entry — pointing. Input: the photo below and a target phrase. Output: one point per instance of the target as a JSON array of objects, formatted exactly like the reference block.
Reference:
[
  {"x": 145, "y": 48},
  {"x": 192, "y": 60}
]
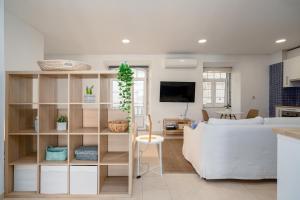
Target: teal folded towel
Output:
[{"x": 57, "y": 153}]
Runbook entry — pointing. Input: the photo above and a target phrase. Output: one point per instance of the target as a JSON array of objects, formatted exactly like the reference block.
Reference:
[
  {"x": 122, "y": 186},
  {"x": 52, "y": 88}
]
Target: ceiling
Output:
[{"x": 162, "y": 26}]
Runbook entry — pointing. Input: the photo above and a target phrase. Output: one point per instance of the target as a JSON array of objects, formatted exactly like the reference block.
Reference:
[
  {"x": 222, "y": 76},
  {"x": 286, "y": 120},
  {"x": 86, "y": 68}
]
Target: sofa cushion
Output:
[
  {"x": 254, "y": 121},
  {"x": 282, "y": 120}
]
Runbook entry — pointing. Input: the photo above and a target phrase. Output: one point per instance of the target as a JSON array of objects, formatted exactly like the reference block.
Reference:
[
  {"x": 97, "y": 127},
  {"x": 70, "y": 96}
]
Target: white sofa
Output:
[{"x": 235, "y": 149}]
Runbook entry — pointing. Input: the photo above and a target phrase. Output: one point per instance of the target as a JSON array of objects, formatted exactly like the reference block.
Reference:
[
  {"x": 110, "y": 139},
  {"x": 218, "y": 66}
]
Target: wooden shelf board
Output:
[
  {"x": 23, "y": 132},
  {"x": 106, "y": 131},
  {"x": 54, "y": 132},
  {"x": 23, "y": 103},
  {"x": 21, "y": 194},
  {"x": 54, "y": 103},
  {"x": 53, "y": 162},
  {"x": 83, "y": 103},
  {"x": 114, "y": 158},
  {"x": 85, "y": 131},
  {"x": 26, "y": 160},
  {"x": 83, "y": 162},
  {"x": 115, "y": 185},
  {"x": 106, "y": 103}
]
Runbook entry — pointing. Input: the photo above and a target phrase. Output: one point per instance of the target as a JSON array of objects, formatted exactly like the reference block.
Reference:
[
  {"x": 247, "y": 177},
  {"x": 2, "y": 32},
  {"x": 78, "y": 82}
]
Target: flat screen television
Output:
[{"x": 177, "y": 91}]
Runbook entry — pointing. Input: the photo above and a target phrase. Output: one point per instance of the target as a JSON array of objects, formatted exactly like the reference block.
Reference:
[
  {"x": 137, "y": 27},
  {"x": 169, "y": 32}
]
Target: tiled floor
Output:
[{"x": 190, "y": 187}]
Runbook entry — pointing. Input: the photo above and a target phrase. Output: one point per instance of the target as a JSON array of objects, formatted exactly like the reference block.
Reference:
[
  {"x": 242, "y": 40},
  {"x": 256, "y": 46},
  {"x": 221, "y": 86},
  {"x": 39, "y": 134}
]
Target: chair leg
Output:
[
  {"x": 138, "y": 161},
  {"x": 221, "y": 116}
]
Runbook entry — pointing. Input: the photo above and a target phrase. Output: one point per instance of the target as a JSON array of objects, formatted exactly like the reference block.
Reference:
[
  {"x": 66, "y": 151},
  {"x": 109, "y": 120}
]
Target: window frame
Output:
[{"x": 213, "y": 82}]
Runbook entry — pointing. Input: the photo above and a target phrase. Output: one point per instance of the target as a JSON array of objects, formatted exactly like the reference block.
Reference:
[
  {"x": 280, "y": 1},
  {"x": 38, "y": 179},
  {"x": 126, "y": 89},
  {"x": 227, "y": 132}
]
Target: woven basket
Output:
[
  {"x": 118, "y": 126},
  {"x": 62, "y": 65}
]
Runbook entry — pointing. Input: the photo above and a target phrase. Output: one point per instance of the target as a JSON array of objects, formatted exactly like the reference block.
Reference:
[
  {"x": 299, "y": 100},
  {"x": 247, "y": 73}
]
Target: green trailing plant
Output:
[
  {"x": 62, "y": 119},
  {"x": 89, "y": 90},
  {"x": 125, "y": 82}
]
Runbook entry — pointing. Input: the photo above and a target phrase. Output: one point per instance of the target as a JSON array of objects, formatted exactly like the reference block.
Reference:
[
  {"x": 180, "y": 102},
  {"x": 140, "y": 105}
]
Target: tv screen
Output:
[{"x": 177, "y": 91}]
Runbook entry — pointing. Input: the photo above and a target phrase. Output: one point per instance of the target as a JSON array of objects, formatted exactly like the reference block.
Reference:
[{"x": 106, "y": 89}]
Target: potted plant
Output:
[
  {"x": 61, "y": 123},
  {"x": 89, "y": 96},
  {"x": 125, "y": 82}
]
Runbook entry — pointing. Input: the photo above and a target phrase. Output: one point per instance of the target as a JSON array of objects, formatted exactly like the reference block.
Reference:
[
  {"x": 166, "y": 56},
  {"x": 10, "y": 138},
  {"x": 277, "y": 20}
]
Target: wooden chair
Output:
[
  {"x": 149, "y": 139},
  {"x": 205, "y": 115},
  {"x": 252, "y": 113}
]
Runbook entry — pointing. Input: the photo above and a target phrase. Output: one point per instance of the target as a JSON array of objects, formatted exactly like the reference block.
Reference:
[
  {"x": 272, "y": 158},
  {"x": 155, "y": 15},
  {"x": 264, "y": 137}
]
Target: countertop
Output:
[
  {"x": 280, "y": 106},
  {"x": 290, "y": 132}
]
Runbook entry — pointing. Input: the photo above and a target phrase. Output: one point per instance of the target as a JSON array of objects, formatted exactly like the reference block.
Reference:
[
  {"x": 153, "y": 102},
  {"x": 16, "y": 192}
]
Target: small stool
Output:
[{"x": 144, "y": 139}]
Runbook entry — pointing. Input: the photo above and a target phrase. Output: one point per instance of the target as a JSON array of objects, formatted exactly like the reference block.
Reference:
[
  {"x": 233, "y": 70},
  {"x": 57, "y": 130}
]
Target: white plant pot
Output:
[
  {"x": 61, "y": 126},
  {"x": 88, "y": 98}
]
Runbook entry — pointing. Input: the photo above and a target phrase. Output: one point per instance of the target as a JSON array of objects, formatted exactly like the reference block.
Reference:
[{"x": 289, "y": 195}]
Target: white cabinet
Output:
[
  {"x": 54, "y": 179},
  {"x": 291, "y": 72},
  {"x": 25, "y": 178},
  {"x": 288, "y": 173},
  {"x": 83, "y": 179}
]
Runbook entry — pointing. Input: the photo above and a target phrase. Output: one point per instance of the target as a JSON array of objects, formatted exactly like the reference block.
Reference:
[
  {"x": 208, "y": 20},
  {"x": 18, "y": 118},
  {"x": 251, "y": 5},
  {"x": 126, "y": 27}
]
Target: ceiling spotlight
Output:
[
  {"x": 280, "y": 41},
  {"x": 202, "y": 41},
  {"x": 125, "y": 41}
]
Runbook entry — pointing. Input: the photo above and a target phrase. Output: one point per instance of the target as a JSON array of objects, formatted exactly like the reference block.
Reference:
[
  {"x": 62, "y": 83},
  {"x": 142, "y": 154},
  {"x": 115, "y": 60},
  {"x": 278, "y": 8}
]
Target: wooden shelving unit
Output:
[{"x": 39, "y": 98}]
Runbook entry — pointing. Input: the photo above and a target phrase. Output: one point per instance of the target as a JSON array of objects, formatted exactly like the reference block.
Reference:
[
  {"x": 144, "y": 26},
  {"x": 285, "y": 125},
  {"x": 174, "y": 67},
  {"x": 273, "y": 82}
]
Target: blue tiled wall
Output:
[{"x": 279, "y": 95}]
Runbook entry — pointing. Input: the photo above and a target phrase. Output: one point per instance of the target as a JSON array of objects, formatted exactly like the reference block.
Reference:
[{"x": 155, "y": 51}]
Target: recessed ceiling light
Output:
[
  {"x": 125, "y": 41},
  {"x": 280, "y": 40},
  {"x": 202, "y": 41}
]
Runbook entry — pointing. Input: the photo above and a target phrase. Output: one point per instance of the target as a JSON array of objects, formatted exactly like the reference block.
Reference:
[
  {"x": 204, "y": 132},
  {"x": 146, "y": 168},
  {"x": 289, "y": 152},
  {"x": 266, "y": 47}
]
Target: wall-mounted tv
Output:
[{"x": 177, "y": 91}]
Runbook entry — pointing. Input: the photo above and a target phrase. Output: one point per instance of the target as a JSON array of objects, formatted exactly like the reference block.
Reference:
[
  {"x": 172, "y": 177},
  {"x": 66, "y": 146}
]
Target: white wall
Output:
[
  {"x": 1, "y": 95},
  {"x": 23, "y": 44},
  {"x": 276, "y": 57},
  {"x": 21, "y": 47},
  {"x": 250, "y": 78}
]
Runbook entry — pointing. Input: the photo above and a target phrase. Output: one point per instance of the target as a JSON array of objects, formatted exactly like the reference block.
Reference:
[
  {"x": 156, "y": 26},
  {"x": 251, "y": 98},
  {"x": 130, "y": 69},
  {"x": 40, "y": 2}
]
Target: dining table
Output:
[{"x": 228, "y": 113}]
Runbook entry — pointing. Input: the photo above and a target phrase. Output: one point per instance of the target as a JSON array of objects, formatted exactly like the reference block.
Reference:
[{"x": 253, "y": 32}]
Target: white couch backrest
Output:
[
  {"x": 253, "y": 121},
  {"x": 282, "y": 121}
]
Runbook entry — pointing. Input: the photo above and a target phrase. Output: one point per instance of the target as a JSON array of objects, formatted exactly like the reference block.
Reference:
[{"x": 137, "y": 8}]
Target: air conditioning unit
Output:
[{"x": 181, "y": 63}]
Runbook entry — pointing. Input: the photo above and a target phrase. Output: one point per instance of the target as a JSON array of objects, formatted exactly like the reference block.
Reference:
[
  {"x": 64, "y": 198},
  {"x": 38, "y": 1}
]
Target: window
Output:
[
  {"x": 216, "y": 89},
  {"x": 139, "y": 95}
]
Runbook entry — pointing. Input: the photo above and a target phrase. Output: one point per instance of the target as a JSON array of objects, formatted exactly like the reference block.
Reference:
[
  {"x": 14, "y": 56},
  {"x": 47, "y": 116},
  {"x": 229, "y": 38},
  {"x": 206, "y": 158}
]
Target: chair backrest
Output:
[
  {"x": 205, "y": 115},
  {"x": 252, "y": 113},
  {"x": 149, "y": 126}
]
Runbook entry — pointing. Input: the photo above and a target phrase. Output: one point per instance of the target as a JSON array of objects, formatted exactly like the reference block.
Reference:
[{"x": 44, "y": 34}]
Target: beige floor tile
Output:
[
  {"x": 260, "y": 185},
  {"x": 265, "y": 194},
  {"x": 156, "y": 195},
  {"x": 154, "y": 183}
]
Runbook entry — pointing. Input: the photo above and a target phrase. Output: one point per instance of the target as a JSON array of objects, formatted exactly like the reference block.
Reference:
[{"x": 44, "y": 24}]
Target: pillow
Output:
[
  {"x": 253, "y": 121},
  {"x": 282, "y": 120},
  {"x": 194, "y": 124}
]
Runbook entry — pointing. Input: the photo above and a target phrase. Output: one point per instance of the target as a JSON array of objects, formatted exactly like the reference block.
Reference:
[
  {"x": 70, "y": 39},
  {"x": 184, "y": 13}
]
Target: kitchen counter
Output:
[
  {"x": 290, "y": 132},
  {"x": 281, "y": 106},
  {"x": 288, "y": 163}
]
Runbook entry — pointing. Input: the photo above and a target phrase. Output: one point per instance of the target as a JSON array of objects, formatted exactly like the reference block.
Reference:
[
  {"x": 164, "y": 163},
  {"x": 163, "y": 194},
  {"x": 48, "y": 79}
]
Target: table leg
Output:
[{"x": 160, "y": 159}]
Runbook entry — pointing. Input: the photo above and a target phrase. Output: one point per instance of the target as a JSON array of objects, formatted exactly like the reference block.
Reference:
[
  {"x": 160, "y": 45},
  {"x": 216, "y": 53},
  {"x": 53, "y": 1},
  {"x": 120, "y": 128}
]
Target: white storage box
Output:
[
  {"x": 25, "y": 178},
  {"x": 54, "y": 179},
  {"x": 83, "y": 179}
]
